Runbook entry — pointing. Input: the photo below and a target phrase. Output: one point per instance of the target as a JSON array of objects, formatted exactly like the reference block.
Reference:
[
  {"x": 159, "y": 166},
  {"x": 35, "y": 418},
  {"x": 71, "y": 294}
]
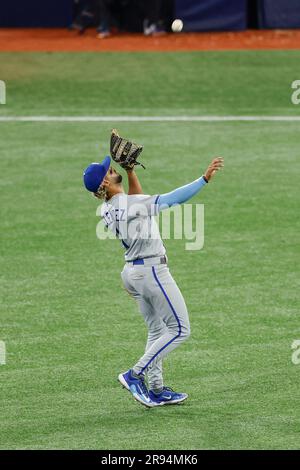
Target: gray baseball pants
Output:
[{"x": 163, "y": 307}]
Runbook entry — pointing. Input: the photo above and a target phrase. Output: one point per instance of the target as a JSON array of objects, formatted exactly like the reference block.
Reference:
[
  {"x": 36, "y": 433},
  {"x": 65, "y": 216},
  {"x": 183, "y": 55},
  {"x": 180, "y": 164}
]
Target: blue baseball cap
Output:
[{"x": 94, "y": 174}]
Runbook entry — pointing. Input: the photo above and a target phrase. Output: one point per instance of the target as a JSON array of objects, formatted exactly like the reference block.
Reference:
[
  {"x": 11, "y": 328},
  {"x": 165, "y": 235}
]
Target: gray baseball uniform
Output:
[{"x": 147, "y": 278}]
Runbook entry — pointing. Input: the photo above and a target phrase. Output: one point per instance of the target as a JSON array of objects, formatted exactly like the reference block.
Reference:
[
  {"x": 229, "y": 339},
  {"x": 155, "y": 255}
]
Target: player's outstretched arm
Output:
[
  {"x": 134, "y": 185},
  {"x": 184, "y": 193}
]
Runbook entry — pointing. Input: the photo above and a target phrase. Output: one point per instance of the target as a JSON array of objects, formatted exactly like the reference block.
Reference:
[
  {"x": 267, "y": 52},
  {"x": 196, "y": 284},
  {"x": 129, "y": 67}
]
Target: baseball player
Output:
[{"x": 146, "y": 275}]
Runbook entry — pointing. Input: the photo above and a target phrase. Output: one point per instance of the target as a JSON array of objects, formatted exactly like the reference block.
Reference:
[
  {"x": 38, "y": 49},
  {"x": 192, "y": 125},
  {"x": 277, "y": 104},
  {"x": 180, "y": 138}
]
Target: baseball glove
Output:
[{"x": 124, "y": 152}]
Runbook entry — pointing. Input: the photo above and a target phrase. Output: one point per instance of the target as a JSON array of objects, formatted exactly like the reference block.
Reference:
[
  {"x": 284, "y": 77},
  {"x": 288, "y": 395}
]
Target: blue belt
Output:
[
  {"x": 148, "y": 261},
  {"x": 138, "y": 261}
]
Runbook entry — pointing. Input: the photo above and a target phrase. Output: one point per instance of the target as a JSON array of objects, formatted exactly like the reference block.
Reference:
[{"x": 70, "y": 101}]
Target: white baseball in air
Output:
[{"x": 177, "y": 26}]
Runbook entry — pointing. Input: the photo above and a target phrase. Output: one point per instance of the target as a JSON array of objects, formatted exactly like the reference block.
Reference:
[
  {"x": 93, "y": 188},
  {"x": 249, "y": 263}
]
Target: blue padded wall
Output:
[{"x": 212, "y": 15}]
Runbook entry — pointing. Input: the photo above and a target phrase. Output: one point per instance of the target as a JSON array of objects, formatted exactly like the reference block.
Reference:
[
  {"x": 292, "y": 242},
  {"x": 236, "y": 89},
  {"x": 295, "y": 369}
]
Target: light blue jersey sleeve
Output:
[{"x": 180, "y": 195}]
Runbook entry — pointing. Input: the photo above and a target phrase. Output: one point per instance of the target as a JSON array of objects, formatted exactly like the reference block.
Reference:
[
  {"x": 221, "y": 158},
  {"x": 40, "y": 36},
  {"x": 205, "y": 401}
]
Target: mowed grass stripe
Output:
[
  {"x": 159, "y": 84},
  {"x": 149, "y": 118}
]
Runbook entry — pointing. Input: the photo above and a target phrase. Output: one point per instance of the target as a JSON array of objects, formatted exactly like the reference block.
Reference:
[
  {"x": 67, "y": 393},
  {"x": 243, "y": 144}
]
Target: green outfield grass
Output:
[
  {"x": 68, "y": 325},
  {"x": 244, "y": 82}
]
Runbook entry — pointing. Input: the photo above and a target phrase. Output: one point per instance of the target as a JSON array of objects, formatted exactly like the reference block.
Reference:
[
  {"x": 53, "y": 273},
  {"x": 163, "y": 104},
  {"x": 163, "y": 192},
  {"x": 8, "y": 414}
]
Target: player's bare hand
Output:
[{"x": 216, "y": 165}]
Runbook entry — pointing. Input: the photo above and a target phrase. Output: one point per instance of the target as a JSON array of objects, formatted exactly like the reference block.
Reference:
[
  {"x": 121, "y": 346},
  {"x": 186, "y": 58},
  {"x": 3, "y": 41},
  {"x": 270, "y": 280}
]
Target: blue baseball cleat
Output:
[
  {"x": 137, "y": 387},
  {"x": 167, "y": 397}
]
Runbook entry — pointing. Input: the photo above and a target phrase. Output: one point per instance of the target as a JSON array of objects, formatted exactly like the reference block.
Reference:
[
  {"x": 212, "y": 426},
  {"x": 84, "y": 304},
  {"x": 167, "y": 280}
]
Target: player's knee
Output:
[
  {"x": 155, "y": 331},
  {"x": 180, "y": 329},
  {"x": 185, "y": 332}
]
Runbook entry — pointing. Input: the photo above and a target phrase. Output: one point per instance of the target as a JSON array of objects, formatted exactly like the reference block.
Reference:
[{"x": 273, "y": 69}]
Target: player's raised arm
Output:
[
  {"x": 134, "y": 185},
  {"x": 125, "y": 153},
  {"x": 184, "y": 193}
]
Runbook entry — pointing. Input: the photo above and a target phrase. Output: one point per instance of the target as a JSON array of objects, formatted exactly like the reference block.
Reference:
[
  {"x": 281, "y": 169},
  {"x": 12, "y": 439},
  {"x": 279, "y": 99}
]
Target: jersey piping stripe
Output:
[
  {"x": 175, "y": 315},
  {"x": 123, "y": 243},
  {"x": 156, "y": 201}
]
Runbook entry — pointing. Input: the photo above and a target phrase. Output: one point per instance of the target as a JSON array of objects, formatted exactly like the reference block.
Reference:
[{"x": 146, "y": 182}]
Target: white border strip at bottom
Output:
[{"x": 146, "y": 118}]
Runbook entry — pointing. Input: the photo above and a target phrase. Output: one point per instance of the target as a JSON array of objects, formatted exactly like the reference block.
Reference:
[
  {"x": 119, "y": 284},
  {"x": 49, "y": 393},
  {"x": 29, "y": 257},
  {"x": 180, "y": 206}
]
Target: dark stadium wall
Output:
[
  {"x": 279, "y": 13},
  {"x": 36, "y": 13},
  {"x": 197, "y": 15},
  {"x": 59, "y": 13},
  {"x": 212, "y": 15}
]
